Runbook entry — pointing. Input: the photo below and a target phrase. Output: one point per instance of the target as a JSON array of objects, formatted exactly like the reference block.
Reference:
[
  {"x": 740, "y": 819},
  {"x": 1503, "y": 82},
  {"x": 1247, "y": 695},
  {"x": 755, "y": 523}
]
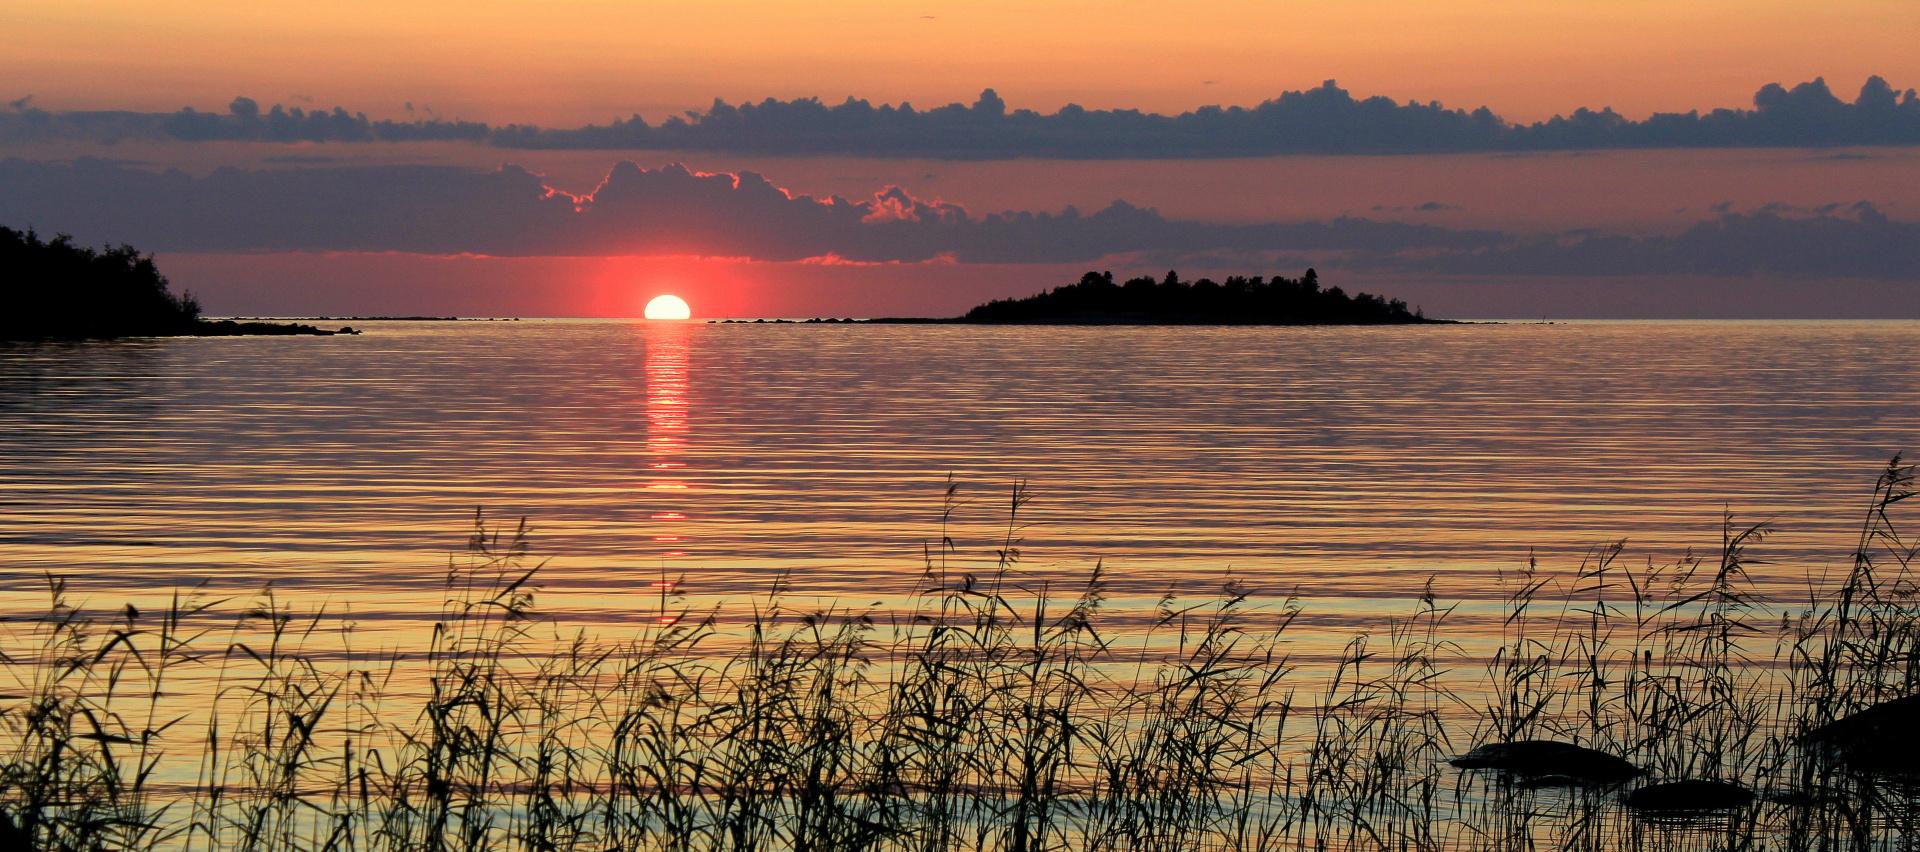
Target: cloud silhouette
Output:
[
  {"x": 1423, "y": 207},
  {"x": 675, "y": 211},
  {"x": 670, "y": 210},
  {"x": 1854, "y": 241},
  {"x": 243, "y": 121},
  {"x": 1323, "y": 120}
]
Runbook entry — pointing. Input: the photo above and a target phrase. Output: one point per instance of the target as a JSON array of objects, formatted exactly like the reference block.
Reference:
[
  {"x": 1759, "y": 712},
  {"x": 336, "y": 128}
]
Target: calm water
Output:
[{"x": 1350, "y": 464}]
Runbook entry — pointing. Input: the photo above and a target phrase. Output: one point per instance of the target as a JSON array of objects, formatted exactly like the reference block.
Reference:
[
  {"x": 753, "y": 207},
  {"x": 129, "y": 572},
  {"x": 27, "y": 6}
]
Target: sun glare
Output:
[{"x": 668, "y": 307}]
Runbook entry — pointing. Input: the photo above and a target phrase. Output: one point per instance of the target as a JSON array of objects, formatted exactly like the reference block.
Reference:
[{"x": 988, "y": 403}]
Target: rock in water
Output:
[
  {"x": 13, "y": 836},
  {"x": 1883, "y": 739},
  {"x": 1546, "y": 758},
  {"x": 1692, "y": 796}
]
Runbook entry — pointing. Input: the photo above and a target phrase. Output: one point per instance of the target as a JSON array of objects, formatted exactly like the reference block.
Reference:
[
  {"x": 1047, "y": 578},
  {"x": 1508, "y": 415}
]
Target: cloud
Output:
[
  {"x": 675, "y": 211},
  {"x": 1322, "y": 120},
  {"x": 301, "y": 159},
  {"x": 670, "y": 210},
  {"x": 406, "y": 208},
  {"x": 1423, "y": 207},
  {"x": 1831, "y": 241},
  {"x": 243, "y": 121}
]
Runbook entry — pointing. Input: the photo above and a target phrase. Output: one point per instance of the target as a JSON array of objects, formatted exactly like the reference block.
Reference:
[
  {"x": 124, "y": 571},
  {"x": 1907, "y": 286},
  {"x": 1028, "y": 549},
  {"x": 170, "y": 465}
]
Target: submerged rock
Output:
[
  {"x": 1882, "y": 739},
  {"x": 1548, "y": 782},
  {"x": 1691, "y": 796},
  {"x": 12, "y": 836},
  {"x": 1549, "y": 759}
]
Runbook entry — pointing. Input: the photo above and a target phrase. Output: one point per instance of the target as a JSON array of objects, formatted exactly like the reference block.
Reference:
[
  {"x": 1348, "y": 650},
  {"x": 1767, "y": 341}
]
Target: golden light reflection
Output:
[{"x": 667, "y": 423}]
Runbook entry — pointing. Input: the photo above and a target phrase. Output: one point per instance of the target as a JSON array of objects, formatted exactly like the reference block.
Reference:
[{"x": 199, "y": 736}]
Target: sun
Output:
[{"x": 667, "y": 306}]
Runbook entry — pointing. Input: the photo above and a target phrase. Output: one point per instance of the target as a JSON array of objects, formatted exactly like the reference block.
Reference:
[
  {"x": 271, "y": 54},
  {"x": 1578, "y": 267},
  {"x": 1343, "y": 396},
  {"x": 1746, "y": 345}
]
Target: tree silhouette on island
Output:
[
  {"x": 56, "y": 290},
  {"x": 1098, "y": 300}
]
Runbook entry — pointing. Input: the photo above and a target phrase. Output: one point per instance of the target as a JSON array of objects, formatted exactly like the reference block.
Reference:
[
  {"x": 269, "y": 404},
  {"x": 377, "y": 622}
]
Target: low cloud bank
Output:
[
  {"x": 1855, "y": 241},
  {"x": 674, "y": 211},
  {"x": 1322, "y": 120},
  {"x": 670, "y": 210}
]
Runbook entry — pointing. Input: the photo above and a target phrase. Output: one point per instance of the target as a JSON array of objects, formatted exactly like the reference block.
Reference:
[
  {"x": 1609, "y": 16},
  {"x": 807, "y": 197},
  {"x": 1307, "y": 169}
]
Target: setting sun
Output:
[{"x": 668, "y": 307}]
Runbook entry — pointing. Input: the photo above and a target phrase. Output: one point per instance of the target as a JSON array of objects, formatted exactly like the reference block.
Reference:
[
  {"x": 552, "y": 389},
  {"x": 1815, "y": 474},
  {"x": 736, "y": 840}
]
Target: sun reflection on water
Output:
[{"x": 667, "y": 428}]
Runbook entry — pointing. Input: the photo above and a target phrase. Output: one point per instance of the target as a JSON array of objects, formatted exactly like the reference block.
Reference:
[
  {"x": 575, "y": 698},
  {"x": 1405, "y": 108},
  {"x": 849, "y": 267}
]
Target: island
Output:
[
  {"x": 56, "y": 290},
  {"x": 1239, "y": 300},
  {"x": 1098, "y": 300}
]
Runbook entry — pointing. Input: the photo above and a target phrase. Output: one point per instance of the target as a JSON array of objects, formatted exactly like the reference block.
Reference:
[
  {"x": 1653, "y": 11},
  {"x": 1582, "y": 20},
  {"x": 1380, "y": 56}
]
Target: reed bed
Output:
[{"x": 990, "y": 714}]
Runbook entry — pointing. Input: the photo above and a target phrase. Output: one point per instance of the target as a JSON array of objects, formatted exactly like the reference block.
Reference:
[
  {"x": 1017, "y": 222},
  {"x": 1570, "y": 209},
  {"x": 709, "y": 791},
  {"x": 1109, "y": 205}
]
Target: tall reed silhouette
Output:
[{"x": 994, "y": 712}]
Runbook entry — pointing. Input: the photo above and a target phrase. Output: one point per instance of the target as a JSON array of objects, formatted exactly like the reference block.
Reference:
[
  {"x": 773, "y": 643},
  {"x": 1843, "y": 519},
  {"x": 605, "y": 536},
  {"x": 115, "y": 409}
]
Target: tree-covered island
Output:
[
  {"x": 56, "y": 290},
  {"x": 1097, "y": 299}
]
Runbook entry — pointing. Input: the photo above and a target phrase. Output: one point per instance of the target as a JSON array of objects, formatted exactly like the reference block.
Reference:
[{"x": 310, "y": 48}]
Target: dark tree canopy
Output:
[
  {"x": 54, "y": 288},
  {"x": 1236, "y": 301}
]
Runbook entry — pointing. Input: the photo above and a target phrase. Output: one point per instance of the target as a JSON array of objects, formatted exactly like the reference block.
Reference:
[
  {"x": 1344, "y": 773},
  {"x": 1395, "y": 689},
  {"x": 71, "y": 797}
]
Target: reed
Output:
[{"x": 995, "y": 712}]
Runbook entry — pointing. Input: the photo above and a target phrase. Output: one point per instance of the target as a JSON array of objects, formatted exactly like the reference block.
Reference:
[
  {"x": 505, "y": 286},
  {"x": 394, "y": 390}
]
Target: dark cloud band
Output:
[
  {"x": 672, "y": 210},
  {"x": 1323, "y": 120}
]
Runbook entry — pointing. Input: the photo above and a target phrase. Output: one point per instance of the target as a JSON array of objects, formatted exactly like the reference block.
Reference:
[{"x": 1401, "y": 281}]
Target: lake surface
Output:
[{"x": 1348, "y": 464}]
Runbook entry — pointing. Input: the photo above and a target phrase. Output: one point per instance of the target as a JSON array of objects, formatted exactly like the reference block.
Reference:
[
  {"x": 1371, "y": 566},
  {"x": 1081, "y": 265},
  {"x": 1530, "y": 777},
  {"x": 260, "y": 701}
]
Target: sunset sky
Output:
[{"x": 476, "y": 166}]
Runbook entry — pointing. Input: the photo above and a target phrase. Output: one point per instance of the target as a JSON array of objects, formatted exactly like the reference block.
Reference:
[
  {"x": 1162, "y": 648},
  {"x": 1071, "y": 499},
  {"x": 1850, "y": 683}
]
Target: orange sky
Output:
[
  {"x": 565, "y": 64},
  {"x": 498, "y": 61}
]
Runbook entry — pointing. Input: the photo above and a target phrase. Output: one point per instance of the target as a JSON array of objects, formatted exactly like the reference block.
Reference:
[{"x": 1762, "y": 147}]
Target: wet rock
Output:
[
  {"x": 12, "y": 836},
  {"x": 1882, "y": 739},
  {"x": 1548, "y": 782},
  {"x": 1547, "y": 759},
  {"x": 1691, "y": 796}
]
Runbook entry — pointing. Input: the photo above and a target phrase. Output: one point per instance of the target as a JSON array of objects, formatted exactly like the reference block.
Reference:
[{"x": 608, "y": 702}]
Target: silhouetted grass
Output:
[{"x": 989, "y": 714}]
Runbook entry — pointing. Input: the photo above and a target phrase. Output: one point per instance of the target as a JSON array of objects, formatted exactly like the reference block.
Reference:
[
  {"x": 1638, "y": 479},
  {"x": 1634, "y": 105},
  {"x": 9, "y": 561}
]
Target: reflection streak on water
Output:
[{"x": 667, "y": 416}]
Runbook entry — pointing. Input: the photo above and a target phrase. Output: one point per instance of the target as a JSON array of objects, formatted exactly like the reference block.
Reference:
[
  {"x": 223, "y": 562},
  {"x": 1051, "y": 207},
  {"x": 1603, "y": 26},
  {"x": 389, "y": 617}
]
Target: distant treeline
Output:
[
  {"x": 1237, "y": 301},
  {"x": 57, "y": 290}
]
